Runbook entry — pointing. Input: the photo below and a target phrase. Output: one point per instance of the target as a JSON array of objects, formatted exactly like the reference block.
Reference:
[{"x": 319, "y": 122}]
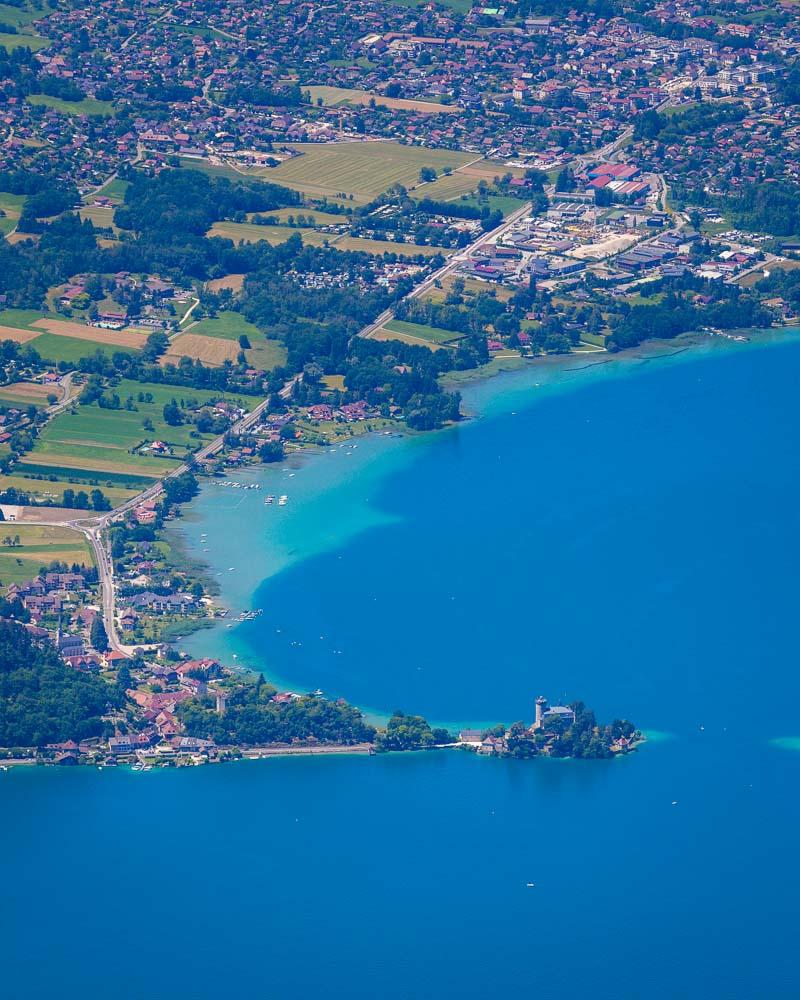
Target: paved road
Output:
[{"x": 452, "y": 264}]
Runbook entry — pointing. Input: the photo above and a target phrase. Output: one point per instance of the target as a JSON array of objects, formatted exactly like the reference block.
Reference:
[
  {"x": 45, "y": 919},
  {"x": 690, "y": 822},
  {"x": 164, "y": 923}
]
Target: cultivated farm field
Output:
[
  {"x": 63, "y": 340},
  {"x": 250, "y": 232},
  {"x": 39, "y": 545},
  {"x": 213, "y": 351},
  {"x": 331, "y": 96},
  {"x": 51, "y": 490},
  {"x": 100, "y": 444},
  {"x": 360, "y": 169},
  {"x": 234, "y": 282},
  {"x": 25, "y": 393}
]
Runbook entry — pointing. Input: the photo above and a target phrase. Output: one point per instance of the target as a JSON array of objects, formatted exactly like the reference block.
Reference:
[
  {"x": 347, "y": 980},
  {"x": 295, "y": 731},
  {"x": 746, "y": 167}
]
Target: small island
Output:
[{"x": 182, "y": 712}]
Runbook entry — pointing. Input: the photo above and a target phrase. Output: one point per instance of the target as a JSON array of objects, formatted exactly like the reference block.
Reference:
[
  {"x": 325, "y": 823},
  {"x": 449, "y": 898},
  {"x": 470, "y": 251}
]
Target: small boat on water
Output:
[
  {"x": 270, "y": 499},
  {"x": 282, "y": 500}
]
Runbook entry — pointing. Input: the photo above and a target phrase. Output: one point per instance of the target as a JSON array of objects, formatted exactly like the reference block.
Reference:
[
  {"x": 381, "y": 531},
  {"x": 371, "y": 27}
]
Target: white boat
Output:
[{"x": 282, "y": 501}]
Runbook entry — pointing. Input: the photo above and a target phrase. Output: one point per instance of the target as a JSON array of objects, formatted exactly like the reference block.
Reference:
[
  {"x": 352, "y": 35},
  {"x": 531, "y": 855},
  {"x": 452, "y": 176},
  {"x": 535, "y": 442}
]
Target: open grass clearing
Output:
[
  {"x": 266, "y": 354},
  {"x": 20, "y": 16},
  {"x": 380, "y": 247},
  {"x": 100, "y": 217},
  {"x": 419, "y": 331},
  {"x": 212, "y": 169},
  {"x": 333, "y": 96},
  {"x": 230, "y": 282},
  {"x": 114, "y": 189},
  {"x": 249, "y": 232},
  {"x": 48, "y": 490},
  {"x": 88, "y": 107},
  {"x": 472, "y": 287},
  {"x": 360, "y": 169},
  {"x": 40, "y": 544},
  {"x": 383, "y": 334},
  {"x": 21, "y": 41},
  {"x": 22, "y": 319},
  {"x": 54, "y": 347},
  {"x": 314, "y": 216},
  {"x": 227, "y": 325}
]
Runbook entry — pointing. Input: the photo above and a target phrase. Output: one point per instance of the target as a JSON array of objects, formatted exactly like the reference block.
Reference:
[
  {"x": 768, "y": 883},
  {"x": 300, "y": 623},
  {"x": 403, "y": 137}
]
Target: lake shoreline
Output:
[{"x": 485, "y": 394}]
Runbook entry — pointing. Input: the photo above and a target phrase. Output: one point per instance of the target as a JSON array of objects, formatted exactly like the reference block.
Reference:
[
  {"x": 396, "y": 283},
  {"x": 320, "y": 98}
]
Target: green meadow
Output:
[
  {"x": 20, "y": 41},
  {"x": 55, "y": 348},
  {"x": 434, "y": 334},
  {"x": 88, "y": 106},
  {"x": 227, "y": 325}
]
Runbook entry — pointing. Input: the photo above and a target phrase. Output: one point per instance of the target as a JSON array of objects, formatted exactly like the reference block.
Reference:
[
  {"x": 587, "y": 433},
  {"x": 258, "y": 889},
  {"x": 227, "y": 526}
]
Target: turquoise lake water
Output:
[{"x": 627, "y": 535}]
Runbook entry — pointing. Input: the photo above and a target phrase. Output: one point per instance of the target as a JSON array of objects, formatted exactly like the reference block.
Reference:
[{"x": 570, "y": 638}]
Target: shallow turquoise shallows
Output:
[{"x": 628, "y": 534}]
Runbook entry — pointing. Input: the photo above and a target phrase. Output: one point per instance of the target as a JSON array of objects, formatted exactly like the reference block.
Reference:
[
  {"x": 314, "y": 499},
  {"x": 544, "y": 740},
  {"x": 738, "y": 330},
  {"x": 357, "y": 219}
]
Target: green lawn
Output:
[
  {"x": 114, "y": 189},
  {"x": 227, "y": 325},
  {"x": 88, "y": 106},
  {"x": 23, "y": 319},
  {"x": 266, "y": 354},
  {"x": 55, "y": 348},
  {"x": 32, "y": 42},
  {"x": 502, "y": 203},
  {"x": 434, "y": 334},
  {"x": 213, "y": 170},
  {"x": 20, "y": 16}
]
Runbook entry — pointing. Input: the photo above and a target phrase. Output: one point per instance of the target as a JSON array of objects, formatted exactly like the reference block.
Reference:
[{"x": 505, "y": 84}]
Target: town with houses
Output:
[{"x": 231, "y": 230}]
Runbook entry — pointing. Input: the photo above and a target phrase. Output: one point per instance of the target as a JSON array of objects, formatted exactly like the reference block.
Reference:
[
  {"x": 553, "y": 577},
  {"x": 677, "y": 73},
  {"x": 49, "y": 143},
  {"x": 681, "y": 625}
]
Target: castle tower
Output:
[
  {"x": 541, "y": 708},
  {"x": 222, "y": 703}
]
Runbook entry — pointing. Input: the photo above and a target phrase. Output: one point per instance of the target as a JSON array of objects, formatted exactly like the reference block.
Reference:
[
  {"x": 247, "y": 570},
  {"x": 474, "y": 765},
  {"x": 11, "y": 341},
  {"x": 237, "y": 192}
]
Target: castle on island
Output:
[{"x": 545, "y": 714}]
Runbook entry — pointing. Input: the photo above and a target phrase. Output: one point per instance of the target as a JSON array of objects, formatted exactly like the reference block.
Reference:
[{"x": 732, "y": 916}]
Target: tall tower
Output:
[{"x": 541, "y": 708}]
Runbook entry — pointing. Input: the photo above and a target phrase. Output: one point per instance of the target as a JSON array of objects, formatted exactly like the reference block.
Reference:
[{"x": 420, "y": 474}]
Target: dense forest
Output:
[
  {"x": 42, "y": 700},
  {"x": 713, "y": 304},
  {"x": 769, "y": 208}
]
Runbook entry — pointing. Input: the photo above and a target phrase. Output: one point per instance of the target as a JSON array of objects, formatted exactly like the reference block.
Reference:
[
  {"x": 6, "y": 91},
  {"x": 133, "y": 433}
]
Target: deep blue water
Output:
[{"x": 634, "y": 543}]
